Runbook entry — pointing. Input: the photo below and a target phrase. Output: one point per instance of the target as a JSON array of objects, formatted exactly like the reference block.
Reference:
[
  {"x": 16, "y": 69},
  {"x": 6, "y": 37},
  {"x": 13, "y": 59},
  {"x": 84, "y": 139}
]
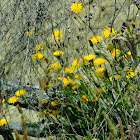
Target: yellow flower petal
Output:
[
  {"x": 58, "y": 53},
  {"x": 100, "y": 72},
  {"x": 89, "y": 57},
  {"x": 76, "y": 7},
  {"x": 108, "y": 31},
  {"x": 84, "y": 98},
  {"x": 20, "y": 92},
  {"x": 3, "y": 122},
  {"x": 12, "y": 100},
  {"x": 57, "y": 34},
  {"x": 99, "y": 61}
]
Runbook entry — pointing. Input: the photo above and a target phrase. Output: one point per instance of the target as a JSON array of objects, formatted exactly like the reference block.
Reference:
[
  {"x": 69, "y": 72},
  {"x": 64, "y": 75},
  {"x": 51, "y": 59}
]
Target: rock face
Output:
[{"x": 16, "y": 47}]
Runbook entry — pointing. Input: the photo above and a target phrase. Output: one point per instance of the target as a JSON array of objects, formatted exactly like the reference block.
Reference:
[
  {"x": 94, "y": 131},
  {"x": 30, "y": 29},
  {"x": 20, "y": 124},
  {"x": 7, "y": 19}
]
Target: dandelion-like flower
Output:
[
  {"x": 65, "y": 82},
  {"x": 55, "y": 102},
  {"x": 3, "y": 100},
  {"x": 12, "y": 100},
  {"x": 39, "y": 46},
  {"x": 75, "y": 87},
  {"x": 99, "y": 61},
  {"x": 89, "y": 57},
  {"x": 3, "y": 122},
  {"x": 45, "y": 101},
  {"x": 128, "y": 54},
  {"x": 130, "y": 73},
  {"x": 20, "y": 92},
  {"x": 46, "y": 86},
  {"x": 69, "y": 69},
  {"x": 30, "y": 31},
  {"x": 78, "y": 62},
  {"x": 57, "y": 34},
  {"x": 55, "y": 66},
  {"x": 133, "y": 22},
  {"x": 93, "y": 100},
  {"x": 100, "y": 72},
  {"x": 114, "y": 52},
  {"x": 58, "y": 53},
  {"x": 84, "y": 98},
  {"x": 54, "y": 112},
  {"x": 96, "y": 39},
  {"x": 76, "y": 7},
  {"x": 107, "y": 32},
  {"x": 95, "y": 139},
  {"x": 116, "y": 77},
  {"x": 39, "y": 55},
  {"x": 79, "y": 77}
]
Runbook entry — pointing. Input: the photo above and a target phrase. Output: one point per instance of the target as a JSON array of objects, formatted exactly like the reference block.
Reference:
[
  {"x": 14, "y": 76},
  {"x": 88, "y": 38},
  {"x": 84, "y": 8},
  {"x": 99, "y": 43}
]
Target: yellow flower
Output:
[
  {"x": 57, "y": 34},
  {"x": 31, "y": 31},
  {"x": 79, "y": 77},
  {"x": 58, "y": 53},
  {"x": 45, "y": 101},
  {"x": 65, "y": 82},
  {"x": 39, "y": 46},
  {"x": 70, "y": 80},
  {"x": 99, "y": 61},
  {"x": 75, "y": 87},
  {"x": 20, "y": 92},
  {"x": 89, "y": 57},
  {"x": 39, "y": 55},
  {"x": 27, "y": 32},
  {"x": 107, "y": 32},
  {"x": 54, "y": 112},
  {"x": 133, "y": 36},
  {"x": 96, "y": 39},
  {"x": 128, "y": 54},
  {"x": 95, "y": 139},
  {"x": 52, "y": 138},
  {"x": 69, "y": 69},
  {"x": 3, "y": 122},
  {"x": 76, "y": 7},
  {"x": 93, "y": 100},
  {"x": 114, "y": 52},
  {"x": 133, "y": 22},
  {"x": 86, "y": 62},
  {"x": 122, "y": 31},
  {"x": 78, "y": 62},
  {"x": 100, "y": 72},
  {"x": 34, "y": 56},
  {"x": 99, "y": 90},
  {"x": 12, "y": 99},
  {"x": 55, "y": 102},
  {"x": 130, "y": 73},
  {"x": 116, "y": 77},
  {"x": 3, "y": 100},
  {"x": 110, "y": 47},
  {"x": 46, "y": 112},
  {"x": 46, "y": 86},
  {"x": 55, "y": 66},
  {"x": 84, "y": 98}
]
